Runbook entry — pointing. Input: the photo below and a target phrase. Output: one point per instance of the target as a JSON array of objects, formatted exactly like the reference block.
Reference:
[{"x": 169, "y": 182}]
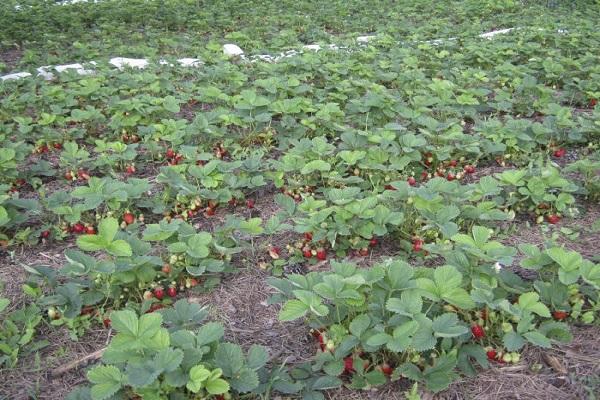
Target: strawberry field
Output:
[{"x": 369, "y": 200}]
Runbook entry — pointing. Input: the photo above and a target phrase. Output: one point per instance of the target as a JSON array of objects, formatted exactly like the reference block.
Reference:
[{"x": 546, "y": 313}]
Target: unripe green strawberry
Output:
[
  {"x": 587, "y": 317},
  {"x": 515, "y": 357},
  {"x": 507, "y": 358},
  {"x": 506, "y": 327},
  {"x": 330, "y": 345}
]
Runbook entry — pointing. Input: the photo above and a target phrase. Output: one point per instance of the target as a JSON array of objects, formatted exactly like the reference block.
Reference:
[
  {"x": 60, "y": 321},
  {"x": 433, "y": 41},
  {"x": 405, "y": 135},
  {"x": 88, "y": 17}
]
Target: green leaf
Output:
[
  {"x": 513, "y": 341},
  {"x": 119, "y": 248},
  {"x": 107, "y": 229},
  {"x": 293, "y": 309},
  {"x": 169, "y": 359},
  {"x": 3, "y": 304},
  {"x": 257, "y": 356},
  {"x": 229, "y": 358},
  {"x": 315, "y": 165},
  {"x": 360, "y": 324},
  {"x": 217, "y": 386},
  {"x": 91, "y": 243},
  {"x": 537, "y": 339},
  {"x": 198, "y": 374},
  {"x": 379, "y": 339},
  {"x": 125, "y": 321},
  {"x": 171, "y": 104},
  {"x": 245, "y": 380},
  {"x": 446, "y": 325},
  {"x": 210, "y": 332},
  {"x": 107, "y": 380},
  {"x": 326, "y": 382},
  {"x": 409, "y": 303},
  {"x": 529, "y": 302}
]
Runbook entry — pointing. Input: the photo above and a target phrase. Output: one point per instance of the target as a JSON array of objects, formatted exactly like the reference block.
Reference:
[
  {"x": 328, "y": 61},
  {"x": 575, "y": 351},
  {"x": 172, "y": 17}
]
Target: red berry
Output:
[
  {"x": 560, "y": 315},
  {"x": 250, "y": 203},
  {"x": 373, "y": 242},
  {"x": 424, "y": 175},
  {"x": 308, "y": 236},
  {"x": 348, "y": 365},
  {"x": 491, "y": 354},
  {"x": 389, "y": 187},
  {"x": 209, "y": 211},
  {"x": 159, "y": 293},
  {"x": 306, "y": 252},
  {"x": 78, "y": 228},
  {"x": 130, "y": 169},
  {"x": 57, "y": 146},
  {"x": 558, "y": 153},
  {"x": 69, "y": 175},
  {"x": 166, "y": 269},
  {"x": 453, "y": 163},
  {"x": 386, "y": 369},
  {"x": 171, "y": 291},
  {"x": 450, "y": 176},
  {"x": 417, "y": 245},
  {"x": 553, "y": 219},
  {"x": 170, "y": 153},
  {"x": 321, "y": 254},
  {"x": 154, "y": 307},
  {"x": 412, "y": 181},
  {"x": 128, "y": 218},
  {"x": 593, "y": 102},
  {"x": 45, "y": 234},
  {"x": 477, "y": 331},
  {"x": 469, "y": 169},
  {"x": 106, "y": 323},
  {"x": 90, "y": 230}
]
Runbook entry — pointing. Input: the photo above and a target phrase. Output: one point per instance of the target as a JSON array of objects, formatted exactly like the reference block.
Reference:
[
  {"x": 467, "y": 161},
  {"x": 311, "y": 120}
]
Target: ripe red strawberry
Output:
[
  {"x": 424, "y": 175},
  {"x": 593, "y": 102},
  {"x": 130, "y": 169},
  {"x": 558, "y": 153},
  {"x": 57, "y": 146},
  {"x": 171, "y": 291},
  {"x": 250, "y": 203},
  {"x": 78, "y": 228},
  {"x": 128, "y": 218},
  {"x": 560, "y": 315},
  {"x": 412, "y": 181},
  {"x": 477, "y": 331},
  {"x": 308, "y": 236},
  {"x": 106, "y": 322},
  {"x": 417, "y": 245},
  {"x": 69, "y": 175},
  {"x": 450, "y": 176},
  {"x": 45, "y": 234},
  {"x": 553, "y": 219},
  {"x": 386, "y": 369},
  {"x": 210, "y": 211},
  {"x": 389, "y": 187},
  {"x": 166, "y": 269},
  {"x": 170, "y": 153},
  {"x": 373, "y": 242},
  {"x": 321, "y": 254},
  {"x": 452, "y": 163},
  {"x": 306, "y": 252},
  {"x": 159, "y": 293},
  {"x": 348, "y": 365},
  {"x": 491, "y": 354},
  {"x": 90, "y": 230},
  {"x": 191, "y": 282},
  {"x": 469, "y": 169}
]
